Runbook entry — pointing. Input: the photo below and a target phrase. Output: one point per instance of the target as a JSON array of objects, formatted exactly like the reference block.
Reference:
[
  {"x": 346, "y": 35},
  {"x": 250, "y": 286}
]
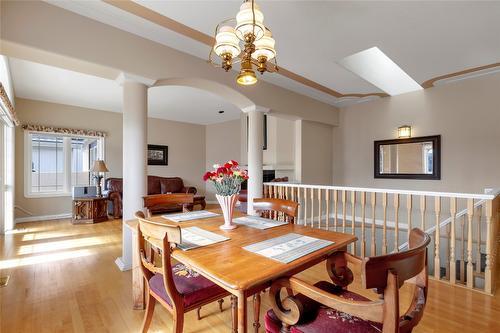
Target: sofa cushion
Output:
[
  {"x": 189, "y": 283},
  {"x": 171, "y": 185},
  {"x": 154, "y": 185}
]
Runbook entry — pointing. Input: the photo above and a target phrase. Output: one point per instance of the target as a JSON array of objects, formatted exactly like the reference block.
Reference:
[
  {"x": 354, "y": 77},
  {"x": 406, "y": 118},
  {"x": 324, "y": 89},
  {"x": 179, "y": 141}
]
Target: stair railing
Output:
[{"x": 464, "y": 226}]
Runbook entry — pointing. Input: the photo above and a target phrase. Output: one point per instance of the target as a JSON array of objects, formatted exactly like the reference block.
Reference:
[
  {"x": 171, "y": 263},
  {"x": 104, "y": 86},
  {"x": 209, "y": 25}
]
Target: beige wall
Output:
[
  {"x": 465, "y": 113},
  {"x": 186, "y": 144},
  {"x": 223, "y": 143},
  {"x": 316, "y": 149}
]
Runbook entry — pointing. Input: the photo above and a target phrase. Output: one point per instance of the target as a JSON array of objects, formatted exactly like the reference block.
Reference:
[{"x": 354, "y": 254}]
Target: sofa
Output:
[{"x": 113, "y": 188}]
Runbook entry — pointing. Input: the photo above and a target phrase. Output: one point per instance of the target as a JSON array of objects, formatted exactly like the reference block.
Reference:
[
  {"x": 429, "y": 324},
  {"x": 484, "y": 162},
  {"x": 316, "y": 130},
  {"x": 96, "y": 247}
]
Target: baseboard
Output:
[
  {"x": 212, "y": 202},
  {"x": 42, "y": 218}
]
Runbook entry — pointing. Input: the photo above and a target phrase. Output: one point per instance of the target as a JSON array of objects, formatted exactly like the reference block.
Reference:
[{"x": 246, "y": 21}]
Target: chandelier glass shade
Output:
[
  {"x": 247, "y": 41},
  {"x": 247, "y": 24}
]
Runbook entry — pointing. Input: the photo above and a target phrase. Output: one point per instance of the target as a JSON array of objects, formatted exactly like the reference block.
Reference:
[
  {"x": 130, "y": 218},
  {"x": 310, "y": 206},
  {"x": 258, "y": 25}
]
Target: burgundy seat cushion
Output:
[
  {"x": 189, "y": 283},
  {"x": 320, "y": 319}
]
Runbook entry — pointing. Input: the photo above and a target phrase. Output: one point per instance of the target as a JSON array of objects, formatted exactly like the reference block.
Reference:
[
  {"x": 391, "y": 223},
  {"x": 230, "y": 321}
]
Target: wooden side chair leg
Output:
[
  {"x": 220, "y": 304},
  {"x": 234, "y": 313},
  {"x": 178, "y": 324},
  {"x": 148, "y": 316},
  {"x": 256, "y": 312}
]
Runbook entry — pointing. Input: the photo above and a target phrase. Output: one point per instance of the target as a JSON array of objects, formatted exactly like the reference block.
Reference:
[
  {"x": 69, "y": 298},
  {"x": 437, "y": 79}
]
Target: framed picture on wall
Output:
[{"x": 157, "y": 155}]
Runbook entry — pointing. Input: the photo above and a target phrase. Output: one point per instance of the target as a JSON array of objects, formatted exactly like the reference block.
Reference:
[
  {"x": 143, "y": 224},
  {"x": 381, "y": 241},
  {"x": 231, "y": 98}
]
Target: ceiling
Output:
[
  {"x": 425, "y": 38},
  {"x": 52, "y": 84}
]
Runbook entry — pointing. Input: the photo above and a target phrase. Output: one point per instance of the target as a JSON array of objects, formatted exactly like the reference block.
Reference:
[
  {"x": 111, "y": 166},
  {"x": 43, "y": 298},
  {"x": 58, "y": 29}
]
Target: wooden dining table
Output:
[{"x": 240, "y": 272}]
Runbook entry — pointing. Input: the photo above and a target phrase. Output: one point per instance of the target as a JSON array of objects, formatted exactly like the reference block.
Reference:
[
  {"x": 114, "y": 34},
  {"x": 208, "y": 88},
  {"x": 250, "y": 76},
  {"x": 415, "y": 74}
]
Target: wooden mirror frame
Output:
[{"x": 436, "y": 159}]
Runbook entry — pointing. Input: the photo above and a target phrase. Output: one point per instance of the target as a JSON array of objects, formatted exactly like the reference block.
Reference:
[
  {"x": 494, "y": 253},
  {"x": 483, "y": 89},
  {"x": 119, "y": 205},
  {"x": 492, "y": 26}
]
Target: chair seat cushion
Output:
[
  {"x": 320, "y": 319},
  {"x": 194, "y": 287}
]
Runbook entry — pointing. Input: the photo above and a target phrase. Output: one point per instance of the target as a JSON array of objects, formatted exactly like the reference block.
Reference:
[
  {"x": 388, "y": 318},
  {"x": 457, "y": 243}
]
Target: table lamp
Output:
[{"x": 99, "y": 166}]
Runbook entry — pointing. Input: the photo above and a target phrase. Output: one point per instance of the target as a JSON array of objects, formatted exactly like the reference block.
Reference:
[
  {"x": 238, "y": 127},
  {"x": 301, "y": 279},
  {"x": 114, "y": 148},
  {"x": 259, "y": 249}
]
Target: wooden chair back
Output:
[
  {"x": 271, "y": 207},
  {"x": 405, "y": 264},
  {"x": 387, "y": 273},
  {"x": 160, "y": 200},
  {"x": 151, "y": 236}
]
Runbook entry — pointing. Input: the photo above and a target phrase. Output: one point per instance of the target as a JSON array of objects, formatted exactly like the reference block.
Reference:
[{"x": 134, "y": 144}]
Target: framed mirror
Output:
[{"x": 412, "y": 158}]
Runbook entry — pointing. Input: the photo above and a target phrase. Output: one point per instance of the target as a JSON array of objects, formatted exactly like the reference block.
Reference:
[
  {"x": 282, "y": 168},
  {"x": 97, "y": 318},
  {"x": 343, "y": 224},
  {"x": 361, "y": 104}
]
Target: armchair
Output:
[{"x": 327, "y": 307}]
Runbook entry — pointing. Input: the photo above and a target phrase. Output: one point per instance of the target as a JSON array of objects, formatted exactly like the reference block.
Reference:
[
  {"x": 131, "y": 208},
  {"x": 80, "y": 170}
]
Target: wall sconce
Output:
[{"x": 404, "y": 132}]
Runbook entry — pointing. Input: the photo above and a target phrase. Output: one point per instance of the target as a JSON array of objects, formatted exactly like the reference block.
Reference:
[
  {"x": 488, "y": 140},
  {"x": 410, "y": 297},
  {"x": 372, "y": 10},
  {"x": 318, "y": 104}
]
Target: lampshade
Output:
[
  {"x": 99, "y": 166},
  {"x": 404, "y": 131},
  {"x": 227, "y": 42},
  {"x": 264, "y": 47},
  {"x": 246, "y": 77},
  {"x": 245, "y": 21}
]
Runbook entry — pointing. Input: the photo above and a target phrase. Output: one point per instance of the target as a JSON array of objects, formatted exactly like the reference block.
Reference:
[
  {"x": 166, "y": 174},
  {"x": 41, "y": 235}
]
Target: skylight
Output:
[{"x": 377, "y": 68}]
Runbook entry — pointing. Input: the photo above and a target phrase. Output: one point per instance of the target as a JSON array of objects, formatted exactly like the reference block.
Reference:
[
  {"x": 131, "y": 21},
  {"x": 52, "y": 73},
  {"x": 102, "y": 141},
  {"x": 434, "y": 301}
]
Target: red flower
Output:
[
  {"x": 228, "y": 166},
  {"x": 232, "y": 162},
  {"x": 207, "y": 175},
  {"x": 221, "y": 170}
]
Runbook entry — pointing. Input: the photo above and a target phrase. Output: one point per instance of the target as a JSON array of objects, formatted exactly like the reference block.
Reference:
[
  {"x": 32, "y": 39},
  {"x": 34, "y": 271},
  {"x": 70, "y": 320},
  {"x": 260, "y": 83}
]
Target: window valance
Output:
[
  {"x": 61, "y": 130},
  {"x": 8, "y": 105}
]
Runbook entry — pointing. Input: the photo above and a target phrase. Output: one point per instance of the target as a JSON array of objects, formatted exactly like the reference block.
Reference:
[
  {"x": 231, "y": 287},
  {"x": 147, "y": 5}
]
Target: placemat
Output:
[
  {"x": 188, "y": 216},
  {"x": 194, "y": 237},
  {"x": 288, "y": 248},
  {"x": 258, "y": 222}
]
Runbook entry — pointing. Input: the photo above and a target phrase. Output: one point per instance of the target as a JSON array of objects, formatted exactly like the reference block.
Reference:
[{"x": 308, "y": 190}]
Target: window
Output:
[{"x": 55, "y": 163}]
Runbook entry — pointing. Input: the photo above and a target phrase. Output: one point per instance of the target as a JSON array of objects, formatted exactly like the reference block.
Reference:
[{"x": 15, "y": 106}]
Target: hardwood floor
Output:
[{"x": 63, "y": 279}]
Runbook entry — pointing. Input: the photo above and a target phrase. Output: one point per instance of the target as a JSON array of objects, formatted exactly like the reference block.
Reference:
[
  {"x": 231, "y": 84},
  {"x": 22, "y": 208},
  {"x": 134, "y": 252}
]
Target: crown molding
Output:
[{"x": 463, "y": 75}]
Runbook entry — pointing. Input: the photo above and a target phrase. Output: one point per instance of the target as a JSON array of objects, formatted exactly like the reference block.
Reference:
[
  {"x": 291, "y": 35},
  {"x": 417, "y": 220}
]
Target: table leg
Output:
[
  {"x": 242, "y": 313},
  {"x": 256, "y": 312},
  {"x": 137, "y": 277}
]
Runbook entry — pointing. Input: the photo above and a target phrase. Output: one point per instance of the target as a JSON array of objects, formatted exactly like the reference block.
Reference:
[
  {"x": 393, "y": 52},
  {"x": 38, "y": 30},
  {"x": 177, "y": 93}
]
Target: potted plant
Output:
[{"x": 227, "y": 181}]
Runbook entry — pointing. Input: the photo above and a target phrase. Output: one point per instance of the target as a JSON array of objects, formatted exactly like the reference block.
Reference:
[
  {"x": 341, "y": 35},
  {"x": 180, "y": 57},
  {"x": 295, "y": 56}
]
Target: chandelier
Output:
[{"x": 257, "y": 44}]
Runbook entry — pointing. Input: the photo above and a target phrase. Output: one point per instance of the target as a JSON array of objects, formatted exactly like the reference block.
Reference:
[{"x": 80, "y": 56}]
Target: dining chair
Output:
[
  {"x": 159, "y": 202},
  {"x": 327, "y": 307},
  {"x": 271, "y": 207},
  {"x": 277, "y": 209},
  {"x": 175, "y": 286}
]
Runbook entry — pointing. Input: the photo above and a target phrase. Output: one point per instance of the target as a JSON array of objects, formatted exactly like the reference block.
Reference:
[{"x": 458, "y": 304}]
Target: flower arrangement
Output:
[{"x": 226, "y": 178}]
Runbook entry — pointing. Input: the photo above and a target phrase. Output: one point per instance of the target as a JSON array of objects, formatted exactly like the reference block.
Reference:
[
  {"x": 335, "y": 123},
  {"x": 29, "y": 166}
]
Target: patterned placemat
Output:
[
  {"x": 288, "y": 248},
  {"x": 194, "y": 237},
  {"x": 189, "y": 216},
  {"x": 258, "y": 222}
]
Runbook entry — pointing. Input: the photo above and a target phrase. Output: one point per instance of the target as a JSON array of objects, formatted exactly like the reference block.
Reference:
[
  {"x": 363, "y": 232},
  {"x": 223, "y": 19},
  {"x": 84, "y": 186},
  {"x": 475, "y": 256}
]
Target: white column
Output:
[
  {"x": 135, "y": 116},
  {"x": 255, "y": 155}
]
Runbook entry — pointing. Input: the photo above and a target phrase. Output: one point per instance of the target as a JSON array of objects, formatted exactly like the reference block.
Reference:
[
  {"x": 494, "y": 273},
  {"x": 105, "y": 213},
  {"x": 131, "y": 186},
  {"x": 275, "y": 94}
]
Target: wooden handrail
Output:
[{"x": 487, "y": 196}]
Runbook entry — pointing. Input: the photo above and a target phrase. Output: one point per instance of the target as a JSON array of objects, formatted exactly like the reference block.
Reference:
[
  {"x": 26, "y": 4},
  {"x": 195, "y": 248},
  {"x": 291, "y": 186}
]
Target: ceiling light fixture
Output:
[{"x": 257, "y": 44}]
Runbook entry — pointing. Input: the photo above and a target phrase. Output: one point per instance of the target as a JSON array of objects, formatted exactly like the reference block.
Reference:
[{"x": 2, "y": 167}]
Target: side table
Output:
[{"x": 89, "y": 210}]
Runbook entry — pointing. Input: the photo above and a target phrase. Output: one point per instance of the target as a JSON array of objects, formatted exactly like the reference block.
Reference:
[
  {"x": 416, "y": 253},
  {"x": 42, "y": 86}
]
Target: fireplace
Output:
[{"x": 267, "y": 176}]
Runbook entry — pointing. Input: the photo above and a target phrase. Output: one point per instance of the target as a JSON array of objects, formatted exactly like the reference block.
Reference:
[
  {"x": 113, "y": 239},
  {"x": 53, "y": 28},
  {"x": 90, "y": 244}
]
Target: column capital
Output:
[
  {"x": 127, "y": 77},
  {"x": 256, "y": 108}
]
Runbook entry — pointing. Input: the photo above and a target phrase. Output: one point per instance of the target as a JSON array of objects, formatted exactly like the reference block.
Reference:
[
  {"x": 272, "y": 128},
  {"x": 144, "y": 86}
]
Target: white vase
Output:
[{"x": 227, "y": 203}]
